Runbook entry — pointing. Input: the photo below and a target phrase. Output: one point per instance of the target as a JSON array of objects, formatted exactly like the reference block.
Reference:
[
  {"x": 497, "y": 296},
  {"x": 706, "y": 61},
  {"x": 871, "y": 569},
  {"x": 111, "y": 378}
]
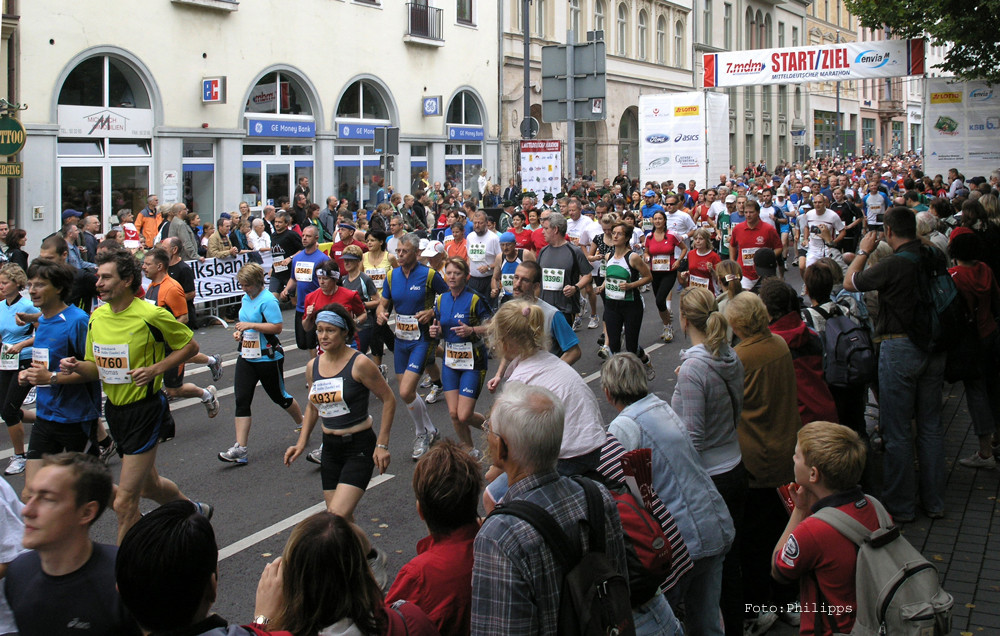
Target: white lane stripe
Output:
[
  {"x": 255, "y": 538},
  {"x": 596, "y": 375}
]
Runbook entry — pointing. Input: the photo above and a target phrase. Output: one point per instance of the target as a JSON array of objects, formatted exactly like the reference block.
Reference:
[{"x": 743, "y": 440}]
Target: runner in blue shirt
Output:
[
  {"x": 304, "y": 266},
  {"x": 648, "y": 209},
  {"x": 460, "y": 317},
  {"x": 411, "y": 288}
]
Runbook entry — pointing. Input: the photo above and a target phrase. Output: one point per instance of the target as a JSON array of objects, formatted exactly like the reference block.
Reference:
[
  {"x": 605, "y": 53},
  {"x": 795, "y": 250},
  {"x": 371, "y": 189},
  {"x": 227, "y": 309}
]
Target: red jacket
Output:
[
  {"x": 981, "y": 294},
  {"x": 815, "y": 400}
]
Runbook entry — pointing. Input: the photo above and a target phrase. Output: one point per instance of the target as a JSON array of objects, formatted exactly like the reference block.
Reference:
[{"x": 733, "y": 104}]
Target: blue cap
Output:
[
  {"x": 225, "y": 215},
  {"x": 68, "y": 214},
  {"x": 649, "y": 193},
  {"x": 508, "y": 237}
]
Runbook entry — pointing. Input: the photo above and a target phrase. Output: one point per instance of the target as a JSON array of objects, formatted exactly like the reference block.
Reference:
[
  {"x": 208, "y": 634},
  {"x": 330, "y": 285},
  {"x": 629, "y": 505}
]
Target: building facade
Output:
[
  {"x": 649, "y": 50},
  {"x": 199, "y": 106}
]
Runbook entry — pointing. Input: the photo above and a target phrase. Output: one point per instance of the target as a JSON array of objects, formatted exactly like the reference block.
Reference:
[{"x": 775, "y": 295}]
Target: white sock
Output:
[
  {"x": 206, "y": 396},
  {"x": 421, "y": 418}
]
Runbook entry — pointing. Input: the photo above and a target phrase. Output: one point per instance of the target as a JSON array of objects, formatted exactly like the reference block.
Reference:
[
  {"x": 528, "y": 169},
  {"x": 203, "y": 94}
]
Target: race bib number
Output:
[
  {"x": 151, "y": 301},
  {"x": 574, "y": 237},
  {"x": 507, "y": 282},
  {"x": 747, "y": 254},
  {"x": 602, "y": 271},
  {"x": 328, "y": 397},
  {"x": 458, "y": 356},
  {"x": 250, "y": 345},
  {"x": 278, "y": 268},
  {"x": 377, "y": 274},
  {"x": 112, "y": 363},
  {"x": 8, "y": 360},
  {"x": 613, "y": 289},
  {"x": 699, "y": 281},
  {"x": 304, "y": 271},
  {"x": 131, "y": 244},
  {"x": 40, "y": 355},
  {"x": 407, "y": 328},
  {"x": 647, "y": 224},
  {"x": 661, "y": 263},
  {"x": 477, "y": 252},
  {"x": 553, "y": 279}
]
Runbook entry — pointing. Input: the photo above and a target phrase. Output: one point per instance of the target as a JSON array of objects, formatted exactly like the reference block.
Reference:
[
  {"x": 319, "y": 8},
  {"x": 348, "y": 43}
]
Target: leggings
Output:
[
  {"x": 623, "y": 313},
  {"x": 269, "y": 374},
  {"x": 381, "y": 337},
  {"x": 12, "y": 395},
  {"x": 663, "y": 282}
]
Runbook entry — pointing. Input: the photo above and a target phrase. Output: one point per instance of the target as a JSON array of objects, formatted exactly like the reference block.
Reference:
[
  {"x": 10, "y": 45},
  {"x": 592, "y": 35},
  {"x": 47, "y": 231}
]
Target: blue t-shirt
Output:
[
  {"x": 649, "y": 210},
  {"x": 562, "y": 333},
  {"x": 304, "y": 270},
  {"x": 12, "y": 332},
  {"x": 451, "y": 311},
  {"x": 65, "y": 335},
  {"x": 409, "y": 294},
  {"x": 263, "y": 308},
  {"x": 468, "y": 229}
]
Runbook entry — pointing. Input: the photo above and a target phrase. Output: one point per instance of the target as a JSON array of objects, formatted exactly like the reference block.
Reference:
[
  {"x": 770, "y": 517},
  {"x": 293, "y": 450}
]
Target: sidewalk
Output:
[{"x": 965, "y": 545}]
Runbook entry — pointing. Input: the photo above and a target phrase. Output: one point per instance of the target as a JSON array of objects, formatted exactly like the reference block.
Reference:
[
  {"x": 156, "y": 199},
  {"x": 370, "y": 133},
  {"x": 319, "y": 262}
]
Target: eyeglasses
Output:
[{"x": 486, "y": 426}]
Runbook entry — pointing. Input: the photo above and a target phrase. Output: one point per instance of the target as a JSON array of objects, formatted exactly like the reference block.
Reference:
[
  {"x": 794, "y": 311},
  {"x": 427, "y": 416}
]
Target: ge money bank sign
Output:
[{"x": 803, "y": 64}]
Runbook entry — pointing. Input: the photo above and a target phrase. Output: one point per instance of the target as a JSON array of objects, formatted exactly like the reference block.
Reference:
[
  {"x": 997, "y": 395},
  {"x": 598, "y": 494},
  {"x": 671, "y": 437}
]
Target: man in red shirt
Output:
[
  {"x": 346, "y": 232},
  {"x": 828, "y": 462},
  {"x": 750, "y": 236}
]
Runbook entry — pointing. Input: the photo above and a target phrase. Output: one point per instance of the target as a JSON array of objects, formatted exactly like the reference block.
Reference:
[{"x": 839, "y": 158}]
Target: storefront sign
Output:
[
  {"x": 213, "y": 90},
  {"x": 356, "y": 131},
  {"x": 466, "y": 133},
  {"x": 11, "y": 136},
  {"x": 11, "y": 170},
  {"x": 280, "y": 128},
  {"x": 116, "y": 123},
  {"x": 432, "y": 106},
  {"x": 541, "y": 166},
  {"x": 803, "y": 64},
  {"x": 264, "y": 98}
]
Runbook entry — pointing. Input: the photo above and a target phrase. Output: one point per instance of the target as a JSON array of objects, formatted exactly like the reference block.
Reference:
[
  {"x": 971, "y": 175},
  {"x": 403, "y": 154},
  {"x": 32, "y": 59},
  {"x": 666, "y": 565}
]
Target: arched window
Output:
[
  {"x": 363, "y": 100},
  {"x": 104, "y": 81},
  {"x": 279, "y": 94},
  {"x": 599, "y": 15},
  {"x": 643, "y": 29},
  {"x": 679, "y": 44},
  {"x": 464, "y": 161},
  {"x": 464, "y": 109},
  {"x": 768, "y": 41},
  {"x": 750, "y": 41},
  {"x": 540, "y": 18},
  {"x": 574, "y": 17},
  {"x": 622, "y": 29},
  {"x": 661, "y": 40}
]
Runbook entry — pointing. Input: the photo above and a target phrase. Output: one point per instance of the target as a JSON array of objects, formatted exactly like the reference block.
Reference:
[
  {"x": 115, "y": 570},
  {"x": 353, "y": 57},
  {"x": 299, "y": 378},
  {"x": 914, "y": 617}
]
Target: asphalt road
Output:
[{"x": 256, "y": 505}]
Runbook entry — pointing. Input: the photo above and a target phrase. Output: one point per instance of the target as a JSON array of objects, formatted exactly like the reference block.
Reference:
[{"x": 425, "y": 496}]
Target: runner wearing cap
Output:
[
  {"x": 505, "y": 265},
  {"x": 649, "y": 207},
  {"x": 331, "y": 291},
  {"x": 433, "y": 254},
  {"x": 346, "y": 231}
]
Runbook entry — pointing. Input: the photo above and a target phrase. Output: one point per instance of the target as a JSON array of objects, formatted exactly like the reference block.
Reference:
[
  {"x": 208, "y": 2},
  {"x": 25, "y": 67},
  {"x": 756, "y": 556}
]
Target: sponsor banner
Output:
[
  {"x": 115, "y": 123},
  {"x": 215, "y": 278},
  {"x": 541, "y": 166},
  {"x": 803, "y": 64},
  {"x": 961, "y": 127},
  {"x": 675, "y": 131}
]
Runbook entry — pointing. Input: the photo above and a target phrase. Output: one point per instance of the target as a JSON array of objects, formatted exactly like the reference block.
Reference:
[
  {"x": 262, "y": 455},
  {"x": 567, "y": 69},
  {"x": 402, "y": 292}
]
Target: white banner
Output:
[
  {"x": 717, "y": 124},
  {"x": 94, "y": 121},
  {"x": 961, "y": 128},
  {"x": 675, "y": 132},
  {"x": 215, "y": 279},
  {"x": 541, "y": 166},
  {"x": 803, "y": 64}
]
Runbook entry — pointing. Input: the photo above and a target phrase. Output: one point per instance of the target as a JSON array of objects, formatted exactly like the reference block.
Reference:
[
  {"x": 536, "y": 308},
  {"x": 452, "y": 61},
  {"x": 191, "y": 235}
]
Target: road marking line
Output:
[
  {"x": 596, "y": 375},
  {"x": 255, "y": 538}
]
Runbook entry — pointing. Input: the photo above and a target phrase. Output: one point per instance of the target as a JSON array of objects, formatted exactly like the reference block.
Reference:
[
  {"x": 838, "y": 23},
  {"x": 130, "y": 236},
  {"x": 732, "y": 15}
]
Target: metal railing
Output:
[{"x": 424, "y": 21}]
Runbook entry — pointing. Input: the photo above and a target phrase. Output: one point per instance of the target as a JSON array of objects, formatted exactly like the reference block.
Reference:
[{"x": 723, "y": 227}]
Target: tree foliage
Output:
[{"x": 969, "y": 30}]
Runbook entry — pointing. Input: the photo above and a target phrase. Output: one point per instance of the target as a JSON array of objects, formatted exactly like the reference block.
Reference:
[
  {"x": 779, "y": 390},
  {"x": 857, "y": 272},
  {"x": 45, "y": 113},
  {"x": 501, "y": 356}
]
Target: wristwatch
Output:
[
  {"x": 861, "y": 253},
  {"x": 382, "y": 446},
  {"x": 260, "y": 620}
]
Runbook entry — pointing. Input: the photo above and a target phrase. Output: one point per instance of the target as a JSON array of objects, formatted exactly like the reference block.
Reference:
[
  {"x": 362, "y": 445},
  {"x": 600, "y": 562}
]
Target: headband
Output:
[
  {"x": 346, "y": 225},
  {"x": 332, "y": 318}
]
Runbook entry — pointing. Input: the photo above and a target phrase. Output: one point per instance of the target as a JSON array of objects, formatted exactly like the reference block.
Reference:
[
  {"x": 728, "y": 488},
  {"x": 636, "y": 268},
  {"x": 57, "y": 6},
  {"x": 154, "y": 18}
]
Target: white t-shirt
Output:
[
  {"x": 259, "y": 242},
  {"x": 482, "y": 250},
  {"x": 12, "y": 528},
  {"x": 814, "y": 221},
  {"x": 582, "y": 232},
  {"x": 717, "y": 208},
  {"x": 583, "y": 430}
]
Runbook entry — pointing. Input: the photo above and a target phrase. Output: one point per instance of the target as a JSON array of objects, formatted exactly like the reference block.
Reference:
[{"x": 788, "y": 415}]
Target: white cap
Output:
[
  {"x": 432, "y": 249},
  {"x": 806, "y": 189},
  {"x": 887, "y": 174},
  {"x": 731, "y": 198},
  {"x": 423, "y": 244}
]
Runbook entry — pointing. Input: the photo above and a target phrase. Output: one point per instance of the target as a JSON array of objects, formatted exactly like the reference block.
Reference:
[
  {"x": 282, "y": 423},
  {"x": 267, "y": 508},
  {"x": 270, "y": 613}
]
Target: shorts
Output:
[
  {"x": 347, "y": 459},
  {"x": 413, "y": 355},
  {"x": 468, "y": 382},
  {"x": 49, "y": 438},
  {"x": 785, "y": 228},
  {"x": 174, "y": 378},
  {"x": 136, "y": 426},
  {"x": 802, "y": 252}
]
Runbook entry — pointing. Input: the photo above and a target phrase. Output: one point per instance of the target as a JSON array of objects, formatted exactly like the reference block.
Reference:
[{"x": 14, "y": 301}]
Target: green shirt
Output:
[
  {"x": 133, "y": 338},
  {"x": 723, "y": 226}
]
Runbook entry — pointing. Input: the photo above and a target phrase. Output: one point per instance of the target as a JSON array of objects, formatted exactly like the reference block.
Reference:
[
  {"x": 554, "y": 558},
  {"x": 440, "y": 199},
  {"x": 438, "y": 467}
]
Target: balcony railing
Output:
[{"x": 425, "y": 22}]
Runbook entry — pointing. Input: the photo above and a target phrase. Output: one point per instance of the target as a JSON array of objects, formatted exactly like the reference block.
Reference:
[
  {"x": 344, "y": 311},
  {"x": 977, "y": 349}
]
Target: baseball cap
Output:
[
  {"x": 432, "y": 249},
  {"x": 806, "y": 189},
  {"x": 731, "y": 198},
  {"x": 765, "y": 262},
  {"x": 649, "y": 193},
  {"x": 68, "y": 214},
  {"x": 508, "y": 237},
  {"x": 347, "y": 256},
  {"x": 887, "y": 174}
]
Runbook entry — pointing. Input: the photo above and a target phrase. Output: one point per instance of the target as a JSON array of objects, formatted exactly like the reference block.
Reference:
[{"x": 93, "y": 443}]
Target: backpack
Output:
[
  {"x": 850, "y": 353},
  {"x": 942, "y": 314},
  {"x": 897, "y": 589},
  {"x": 594, "y": 597}
]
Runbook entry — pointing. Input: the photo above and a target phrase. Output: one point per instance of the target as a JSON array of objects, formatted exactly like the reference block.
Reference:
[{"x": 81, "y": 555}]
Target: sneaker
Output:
[
  {"x": 650, "y": 371},
  {"x": 16, "y": 465},
  {"x": 594, "y": 323},
  {"x": 31, "y": 397},
  {"x": 603, "y": 352},
  {"x": 384, "y": 370},
  {"x": 974, "y": 461},
  {"x": 315, "y": 456},
  {"x": 578, "y": 322},
  {"x": 379, "y": 565},
  {"x": 420, "y": 447},
  {"x": 584, "y": 305},
  {"x": 759, "y": 624},
  {"x": 433, "y": 438},
  {"x": 212, "y": 406},
  {"x": 426, "y": 382},
  {"x": 476, "y": 454},
  {"x": 204, "y": 509},
  {"x": 435, "y": 394},
  {"x": 109, "y": 451},
  {"x": 235, "y": 455},
  {"x": 668, "y": 333},
  {"x": 216, "y": 367}
]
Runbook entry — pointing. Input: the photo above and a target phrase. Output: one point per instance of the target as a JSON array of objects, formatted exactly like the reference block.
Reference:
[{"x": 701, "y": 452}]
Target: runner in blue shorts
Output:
[
  {"x": 411, "y": 289},
  {"x": 460, "y": 317}
]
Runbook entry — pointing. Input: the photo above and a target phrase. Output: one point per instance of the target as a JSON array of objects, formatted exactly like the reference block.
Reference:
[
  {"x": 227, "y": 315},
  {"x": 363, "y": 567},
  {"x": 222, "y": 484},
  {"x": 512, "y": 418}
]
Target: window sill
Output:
[{"x": 221, "y": 5}]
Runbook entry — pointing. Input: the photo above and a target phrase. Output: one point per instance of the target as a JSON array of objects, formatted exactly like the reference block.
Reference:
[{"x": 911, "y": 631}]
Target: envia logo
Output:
[
  {"x": 981, "y": 95},
  {"x": 657, "y": 139},
  {"x": 872, "y": 58}
]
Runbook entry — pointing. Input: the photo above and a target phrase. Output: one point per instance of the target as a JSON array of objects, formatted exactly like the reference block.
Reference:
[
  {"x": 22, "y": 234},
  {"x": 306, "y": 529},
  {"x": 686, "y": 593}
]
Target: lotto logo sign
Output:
[
  {"x": 946, "y": 98},
  {"x": 686, "y": 111}
]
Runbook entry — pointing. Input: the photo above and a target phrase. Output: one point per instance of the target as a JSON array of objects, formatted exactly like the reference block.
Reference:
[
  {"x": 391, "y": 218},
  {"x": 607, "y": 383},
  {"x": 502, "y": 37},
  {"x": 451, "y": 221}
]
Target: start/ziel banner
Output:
[{"x": 804, "y": 64}]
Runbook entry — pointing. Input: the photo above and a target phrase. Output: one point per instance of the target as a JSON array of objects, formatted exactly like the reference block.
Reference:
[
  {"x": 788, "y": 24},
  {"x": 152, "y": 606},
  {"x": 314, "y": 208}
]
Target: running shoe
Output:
[
  {"x": 426, "y": 382},
  {"x": 578, "y": 322},
  {"x": 204, "y": 509},
  {"x": 315, "y": 456},
  {"x": 974, "y": 461},
  {"x": 216, "y": 367},
  {"x": 235, "y": 455},
  {"x": 420, "y": 447},
  {"x": 650, "y": 371},
  {"x": 384, "y": 370},
  {"x": 603, "y": 352},
  {"x": 212, "y": 406},
  {"x": 594, "y": 323},
  {"x": 31, "y": 397},
  {"x": 109, "y": 451},
  {"x": 644, "y": 288},
  {"x": 433, "y": 438},
  {"x": 379, "y": 565},
  {"x": 435, "y": 394},
  {"x": 584, "y": 305},
  {"x": 760, "y": 624},
  {"x": 668, "y": 333},
  {"x": 16, "y": 465}
]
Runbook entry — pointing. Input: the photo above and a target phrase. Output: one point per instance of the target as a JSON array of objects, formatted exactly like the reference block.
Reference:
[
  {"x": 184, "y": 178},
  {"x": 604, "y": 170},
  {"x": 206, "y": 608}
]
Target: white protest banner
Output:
[
  {"x": 541, "y": 166},
  {"x": 675, "y": 132},
  {"x": 962, "y": 127},
  {"x": 803, "y": 64},
  {"x": 215, "y": 278}
]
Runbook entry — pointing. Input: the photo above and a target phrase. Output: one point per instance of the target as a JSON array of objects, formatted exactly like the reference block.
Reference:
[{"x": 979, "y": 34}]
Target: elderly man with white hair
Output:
[{"x": 258, "y": 239}]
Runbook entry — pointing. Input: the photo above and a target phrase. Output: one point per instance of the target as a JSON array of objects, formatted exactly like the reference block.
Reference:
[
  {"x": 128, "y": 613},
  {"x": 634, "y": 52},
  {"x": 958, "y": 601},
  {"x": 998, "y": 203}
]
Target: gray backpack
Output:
[{"x": 898, "y": 591}]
